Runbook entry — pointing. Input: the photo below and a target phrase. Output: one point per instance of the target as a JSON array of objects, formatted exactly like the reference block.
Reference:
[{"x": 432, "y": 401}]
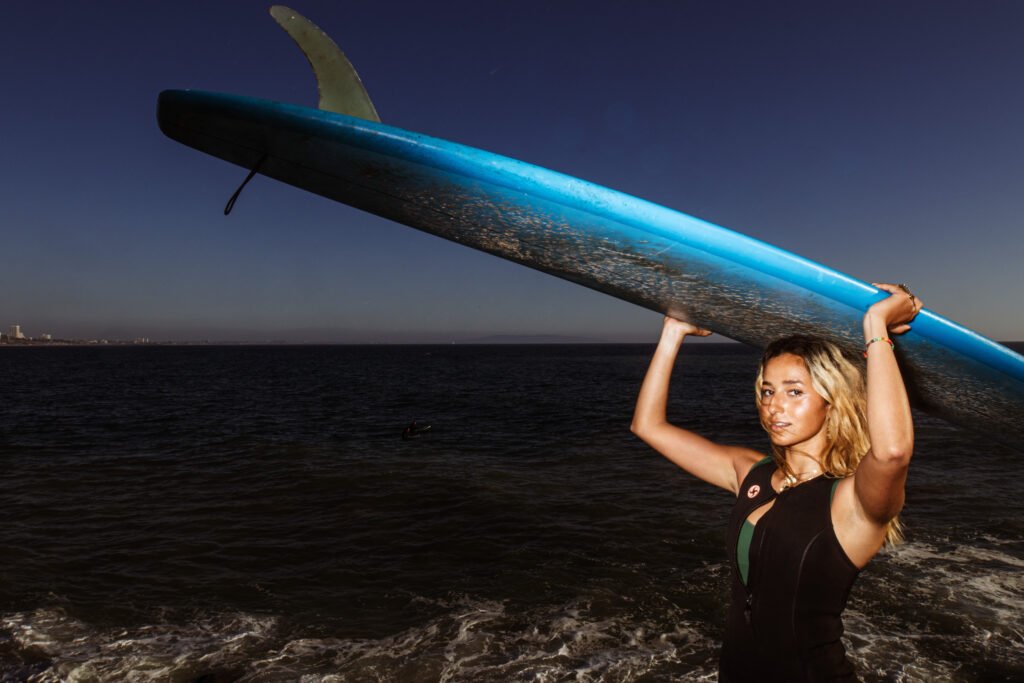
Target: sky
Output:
[{"x": 882, "y": 139}]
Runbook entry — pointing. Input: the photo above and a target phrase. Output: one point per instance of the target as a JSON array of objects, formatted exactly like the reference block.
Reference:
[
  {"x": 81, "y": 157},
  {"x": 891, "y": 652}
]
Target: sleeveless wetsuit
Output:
[{"x": 784, "y": 624}]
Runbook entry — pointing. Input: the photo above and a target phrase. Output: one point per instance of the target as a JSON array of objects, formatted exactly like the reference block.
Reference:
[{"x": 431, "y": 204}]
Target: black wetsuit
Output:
[{"x": 785, "y": 625}]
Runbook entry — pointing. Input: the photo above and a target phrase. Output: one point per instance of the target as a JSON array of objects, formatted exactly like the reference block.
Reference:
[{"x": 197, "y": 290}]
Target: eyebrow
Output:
[{"x": 786, "y": 381}]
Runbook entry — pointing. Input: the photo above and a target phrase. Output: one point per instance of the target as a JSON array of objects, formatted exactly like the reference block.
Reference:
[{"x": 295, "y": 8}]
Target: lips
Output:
[{"x": 778, "y": 426}]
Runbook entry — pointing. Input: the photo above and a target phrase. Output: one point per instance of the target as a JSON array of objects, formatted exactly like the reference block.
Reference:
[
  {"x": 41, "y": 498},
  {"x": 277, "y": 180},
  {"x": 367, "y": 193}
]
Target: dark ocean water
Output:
[{"x": 253, "y": 514}]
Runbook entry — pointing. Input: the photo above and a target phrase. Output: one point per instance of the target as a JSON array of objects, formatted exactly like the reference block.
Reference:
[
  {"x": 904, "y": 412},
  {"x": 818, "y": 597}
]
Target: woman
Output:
[{"x": 808, "y": 517}]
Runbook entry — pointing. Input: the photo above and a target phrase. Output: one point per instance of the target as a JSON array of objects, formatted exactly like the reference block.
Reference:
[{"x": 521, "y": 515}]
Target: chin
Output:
[{"x": 787, "y": 440}]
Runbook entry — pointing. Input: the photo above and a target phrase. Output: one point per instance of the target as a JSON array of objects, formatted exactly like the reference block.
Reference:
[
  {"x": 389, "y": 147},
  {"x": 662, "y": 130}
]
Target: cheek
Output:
[{"x": 813, "y": 411}]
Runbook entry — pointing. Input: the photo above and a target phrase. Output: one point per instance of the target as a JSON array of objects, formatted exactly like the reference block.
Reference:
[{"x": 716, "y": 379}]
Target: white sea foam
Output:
[
  {"x": 481, "y": 641},
  {"x": 945, "y": 596},
  {"x": 925, "y": 612},
  {"x": 53, "y": 646},
  {"x": 470, "y": 640}
]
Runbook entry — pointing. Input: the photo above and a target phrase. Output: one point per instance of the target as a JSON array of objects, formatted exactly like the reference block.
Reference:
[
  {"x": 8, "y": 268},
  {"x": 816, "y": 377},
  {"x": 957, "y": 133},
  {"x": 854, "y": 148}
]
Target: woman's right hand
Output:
[{"x": 673, "y": 329}]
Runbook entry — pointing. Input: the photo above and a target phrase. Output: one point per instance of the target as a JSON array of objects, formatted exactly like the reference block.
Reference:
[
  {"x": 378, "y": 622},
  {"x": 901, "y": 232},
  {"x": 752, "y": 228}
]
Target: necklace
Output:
[{"x": 791, "y": 480}]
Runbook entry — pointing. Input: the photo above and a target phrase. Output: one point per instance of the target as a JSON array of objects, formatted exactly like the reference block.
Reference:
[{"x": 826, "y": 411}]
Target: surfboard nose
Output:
[{"x": 212, "y": 123}]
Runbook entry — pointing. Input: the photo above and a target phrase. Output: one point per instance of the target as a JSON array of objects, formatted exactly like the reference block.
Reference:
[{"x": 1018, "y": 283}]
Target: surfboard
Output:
[{"x": 624, "y": 246}]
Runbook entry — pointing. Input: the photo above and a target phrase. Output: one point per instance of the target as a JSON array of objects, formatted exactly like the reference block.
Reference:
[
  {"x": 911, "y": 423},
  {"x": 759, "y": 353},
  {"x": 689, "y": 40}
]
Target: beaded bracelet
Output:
[{"x": 878, "y": 339}]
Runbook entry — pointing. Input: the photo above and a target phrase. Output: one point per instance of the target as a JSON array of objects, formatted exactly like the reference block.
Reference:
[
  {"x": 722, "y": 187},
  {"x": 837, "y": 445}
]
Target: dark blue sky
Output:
[{"x": 883, "y": 139}]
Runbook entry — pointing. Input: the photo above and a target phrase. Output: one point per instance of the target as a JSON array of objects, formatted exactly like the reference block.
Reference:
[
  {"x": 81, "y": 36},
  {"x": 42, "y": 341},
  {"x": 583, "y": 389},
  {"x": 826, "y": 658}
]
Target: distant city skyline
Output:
[
  {"x": 305, "y": 337},
  {"x": 14, "y": 333},
  {"x": 881, "y": 139}
]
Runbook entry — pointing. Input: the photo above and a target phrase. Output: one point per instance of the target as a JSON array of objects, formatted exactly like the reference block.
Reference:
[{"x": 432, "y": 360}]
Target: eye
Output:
[
  {"x": 796, "y": 392},
  {"x": 765, "y": 393}
]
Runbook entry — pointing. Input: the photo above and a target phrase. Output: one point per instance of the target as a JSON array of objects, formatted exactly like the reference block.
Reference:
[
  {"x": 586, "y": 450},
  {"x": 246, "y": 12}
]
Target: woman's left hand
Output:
[{"x": 897, "y": 309}]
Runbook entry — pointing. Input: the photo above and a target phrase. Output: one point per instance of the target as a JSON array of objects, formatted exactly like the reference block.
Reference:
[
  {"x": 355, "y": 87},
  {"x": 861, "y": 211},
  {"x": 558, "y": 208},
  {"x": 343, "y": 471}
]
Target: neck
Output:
[
  {"x": 806, "y": 456},
  {"x": 802, "y": 462},
  {"x": 801, "y": 467}
]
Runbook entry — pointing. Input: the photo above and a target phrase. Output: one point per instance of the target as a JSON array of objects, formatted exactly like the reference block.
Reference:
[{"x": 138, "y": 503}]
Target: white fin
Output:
[{"x": 340, "y": 89}]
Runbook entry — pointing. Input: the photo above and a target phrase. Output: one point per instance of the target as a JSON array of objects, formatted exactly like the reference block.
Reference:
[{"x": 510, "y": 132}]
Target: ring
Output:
[{"x": 913, "y": 299}]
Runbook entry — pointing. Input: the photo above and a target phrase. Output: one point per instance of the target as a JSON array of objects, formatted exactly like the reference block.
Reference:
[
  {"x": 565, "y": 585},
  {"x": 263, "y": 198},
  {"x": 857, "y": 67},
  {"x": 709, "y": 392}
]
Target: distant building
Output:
[
  {"x": 46, "y": 337},
  {"x": 16, "y": 332}
]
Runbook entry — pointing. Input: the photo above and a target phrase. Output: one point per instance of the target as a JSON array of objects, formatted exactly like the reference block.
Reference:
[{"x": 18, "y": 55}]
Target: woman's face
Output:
[{"x": 791, "y": 410}]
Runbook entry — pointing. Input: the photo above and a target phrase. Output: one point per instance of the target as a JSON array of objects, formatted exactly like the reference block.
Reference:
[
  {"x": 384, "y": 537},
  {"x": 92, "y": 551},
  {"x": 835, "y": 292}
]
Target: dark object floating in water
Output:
[{"x": 415, "y": 430}]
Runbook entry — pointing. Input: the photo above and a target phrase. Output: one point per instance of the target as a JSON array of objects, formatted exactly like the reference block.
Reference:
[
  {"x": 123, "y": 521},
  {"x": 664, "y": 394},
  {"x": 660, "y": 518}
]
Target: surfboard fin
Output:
[{"x": 341, "y": 90}]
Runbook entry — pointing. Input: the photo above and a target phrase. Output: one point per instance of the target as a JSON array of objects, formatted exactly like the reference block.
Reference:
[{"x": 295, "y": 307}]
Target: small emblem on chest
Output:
[{"x": 753, "y": 491}]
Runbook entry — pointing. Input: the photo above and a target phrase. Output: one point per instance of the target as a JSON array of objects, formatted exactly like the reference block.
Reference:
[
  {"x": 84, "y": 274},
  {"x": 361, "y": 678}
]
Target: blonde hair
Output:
[{"x": 841, "y": 383}]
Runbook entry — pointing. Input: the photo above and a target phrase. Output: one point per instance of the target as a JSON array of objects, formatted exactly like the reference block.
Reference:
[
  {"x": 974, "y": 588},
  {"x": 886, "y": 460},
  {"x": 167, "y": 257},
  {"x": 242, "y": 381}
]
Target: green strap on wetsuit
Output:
[
  {"x": 746, "y": 534},
  {"x": 743, "y": 550}
]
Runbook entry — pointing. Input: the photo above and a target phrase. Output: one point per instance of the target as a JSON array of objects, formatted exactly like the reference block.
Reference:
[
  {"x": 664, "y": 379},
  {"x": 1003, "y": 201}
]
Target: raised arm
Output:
[
  {"x": 880, "y": 478},
  {"x": 720, "y": 465}
]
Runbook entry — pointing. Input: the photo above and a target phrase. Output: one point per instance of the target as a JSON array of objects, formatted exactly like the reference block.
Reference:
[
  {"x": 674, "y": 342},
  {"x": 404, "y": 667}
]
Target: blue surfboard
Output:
[{"x": 627, "y": 247}]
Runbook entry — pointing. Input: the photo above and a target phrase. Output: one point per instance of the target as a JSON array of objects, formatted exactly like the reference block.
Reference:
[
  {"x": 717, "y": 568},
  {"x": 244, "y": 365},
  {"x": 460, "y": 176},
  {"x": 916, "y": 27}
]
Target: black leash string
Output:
[{"x": 231, "y": 202}]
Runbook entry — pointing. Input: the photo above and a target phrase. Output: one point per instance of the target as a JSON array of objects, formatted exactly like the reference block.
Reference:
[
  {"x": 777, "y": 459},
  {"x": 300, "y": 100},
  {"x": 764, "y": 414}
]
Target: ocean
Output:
[{"x": 253, "y": 513}]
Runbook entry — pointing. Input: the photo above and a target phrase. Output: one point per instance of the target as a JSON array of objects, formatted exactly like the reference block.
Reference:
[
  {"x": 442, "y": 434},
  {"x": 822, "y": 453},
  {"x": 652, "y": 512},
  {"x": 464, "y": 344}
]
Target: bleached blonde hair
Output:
[{"x": 841, "y": 383}]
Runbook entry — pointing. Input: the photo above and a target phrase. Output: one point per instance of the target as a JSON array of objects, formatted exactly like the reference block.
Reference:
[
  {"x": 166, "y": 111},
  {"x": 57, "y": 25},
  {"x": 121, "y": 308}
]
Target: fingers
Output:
[
  {"x": 899, "y": 289},
  {"x": 684, "y": 327},
  {"x": 899, "y": 308}
]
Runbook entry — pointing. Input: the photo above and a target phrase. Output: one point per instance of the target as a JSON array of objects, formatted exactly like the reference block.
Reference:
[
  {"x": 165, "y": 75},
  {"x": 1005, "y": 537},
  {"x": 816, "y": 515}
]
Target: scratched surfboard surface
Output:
[{"x": 627, "y": 247}]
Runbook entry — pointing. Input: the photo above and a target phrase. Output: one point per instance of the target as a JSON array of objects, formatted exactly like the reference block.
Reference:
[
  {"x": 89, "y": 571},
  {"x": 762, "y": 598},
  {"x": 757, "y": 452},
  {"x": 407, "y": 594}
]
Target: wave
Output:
[
  {"x": 940, "y": 611},
  {"x": 923, "y": 612},
  {"x": 470, "y": 639}
]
